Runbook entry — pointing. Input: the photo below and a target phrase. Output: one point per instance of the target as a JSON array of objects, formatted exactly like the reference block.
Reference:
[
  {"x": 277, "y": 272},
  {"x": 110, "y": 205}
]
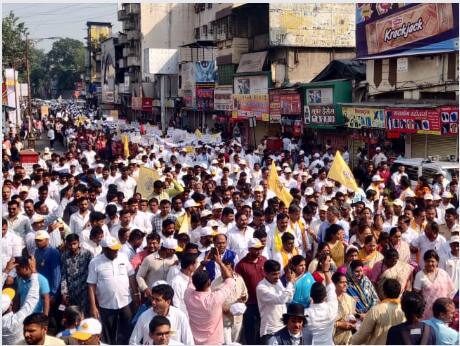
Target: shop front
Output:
[
  {"x": 286, "y": 112},
  {"x": 223, "y": 109},
  {"x": 323, "y": 118},
  {"x": 142, "y": 108},
  {"x": 429, "y": 131}
]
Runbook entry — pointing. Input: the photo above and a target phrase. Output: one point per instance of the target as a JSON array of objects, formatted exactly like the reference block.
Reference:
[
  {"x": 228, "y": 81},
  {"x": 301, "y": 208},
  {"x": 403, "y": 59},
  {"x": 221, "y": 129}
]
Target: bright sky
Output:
[{"x": 63, "y": 20}]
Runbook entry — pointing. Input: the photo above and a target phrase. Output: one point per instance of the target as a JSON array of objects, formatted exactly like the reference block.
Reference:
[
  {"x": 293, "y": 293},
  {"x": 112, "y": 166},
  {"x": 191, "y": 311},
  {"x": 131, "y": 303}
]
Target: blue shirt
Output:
[
  {"x": 325, "y": 225},
  {"x": 24, "y": 286},
  {"x": 302, "y": 289},
  {"x": 444, "y": 334},
  {"x": 49, "y": 265}
]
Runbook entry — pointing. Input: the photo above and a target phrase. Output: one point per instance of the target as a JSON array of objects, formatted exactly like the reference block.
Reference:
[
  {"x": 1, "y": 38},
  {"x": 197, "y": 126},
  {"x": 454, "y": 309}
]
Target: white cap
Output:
[
  {"x": 255, "y": 243},
  {"x": 428, "y": 196},
  {"x": 309, "y": 191},
  {"x": 436, "y": 197},
  {"x": 316, "y": 155},
  {"x": 111, "y": 243},
  {"x": 324, "y": 207},
  {"x": 454, "y": 239},
  {"x": 23, "y": 188},
  {"x": 87, "y": 328},
  {"x": 216, "y": 206},
  {"x": 278, "y": 168},
  {"x": 410, "y": 194},
  {"x": 446, "y": 194},
  {"x": 242, "y": 162},
  {"x": 169, "y": 243},
  {"x": 7, "y": 298},
  {"x": 376, "y": 178},
  {"x": 212, "y": 223},
  {"x": 206, "y": 232},
  {"x": 398, "y": 202},
  {"x": 37, "y": 218},
  {"x": 259, "y": 188},
  {"x": 378, "y": 149},
  {"x": 41, "y": 235},
  {"x": 190, "y": 203},
  {"x": 329, "y": 184},
  {"x": 295, "y": 173},
  {"x": 285, "y": 164},
  {"x": 214, "y": 162},
  {"x": 205, "y": 213},
  {"x": 301, "y": 152},
  {"x": 287, "y": 170}
]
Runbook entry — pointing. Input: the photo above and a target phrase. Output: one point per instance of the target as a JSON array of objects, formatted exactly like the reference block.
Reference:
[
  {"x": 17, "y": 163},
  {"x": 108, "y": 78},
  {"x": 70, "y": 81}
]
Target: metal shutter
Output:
[{"x": 443, "y": 146}]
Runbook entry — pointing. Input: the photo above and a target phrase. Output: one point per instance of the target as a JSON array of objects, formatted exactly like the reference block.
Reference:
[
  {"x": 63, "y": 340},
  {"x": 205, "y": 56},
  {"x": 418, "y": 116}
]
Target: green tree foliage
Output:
[
  {"x": 66, "y": 61},
  {"x": 13, "y": 42}
]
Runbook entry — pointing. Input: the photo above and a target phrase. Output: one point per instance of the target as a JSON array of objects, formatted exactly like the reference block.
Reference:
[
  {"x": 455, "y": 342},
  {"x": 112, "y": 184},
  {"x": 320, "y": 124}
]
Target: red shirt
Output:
[
  {"x": 252, "y": 273},
  {"x": 138, "y": 258},
  {"x": 385, "y": 174}
]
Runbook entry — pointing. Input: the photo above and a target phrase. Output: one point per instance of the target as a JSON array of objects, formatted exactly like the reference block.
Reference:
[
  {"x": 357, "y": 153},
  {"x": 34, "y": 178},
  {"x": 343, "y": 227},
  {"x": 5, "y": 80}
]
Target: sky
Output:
[{"x": 62, "y": 20}]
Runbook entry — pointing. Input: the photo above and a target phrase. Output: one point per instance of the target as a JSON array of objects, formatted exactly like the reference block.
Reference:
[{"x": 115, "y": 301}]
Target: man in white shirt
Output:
[
  {"x": 139, "y": 219},
  {"x": 18, "y": 223},
  {"x": 12, "y": 244},
  {"x": 239, "y": 236},
  {"x": 450, "y": 263},
  {"x": 396, "y": 176},
  {"x": 162, "y": 296},
  {"x": 125, "y": 183},
  {"x": 272, "y": 298},
  {"x": 80, "y": 220},
  {"x": 378, "y": 157},
  {"x": 430, "y": 239},
  {"x": 110, "y": 280},
  {"x": 92, "y": 244},
  {"x": 322, "y": 313},
  {"x": 179, "y": 283},
  {"x": 132, "y": 246}
]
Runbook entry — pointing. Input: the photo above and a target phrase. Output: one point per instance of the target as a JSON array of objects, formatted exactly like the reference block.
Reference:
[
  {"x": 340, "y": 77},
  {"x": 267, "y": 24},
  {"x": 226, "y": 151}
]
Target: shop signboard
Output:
[
  {"x": 413, "y": 120},
  {"x": 205, "y": 97},
  {"x": 398, "y": 29},
  {"x": 320, "y": 96},
  {"x": 320, "y": 115},
  {"x": 284, "y": 103},
  {"x": 223, "y": 98},
  {"x": 252, "y": 105},
  {"x": 250, "y": 85},
  {"x": 189, "y": 98},
  {"x": 358, "y": 117},
  {"x": 205, "y": 71},
  {"x": 449, "y": 120}
]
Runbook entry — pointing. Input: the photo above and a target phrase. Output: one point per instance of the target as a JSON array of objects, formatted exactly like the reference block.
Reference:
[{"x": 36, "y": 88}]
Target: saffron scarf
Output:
[{"x": 278, "y": 244}]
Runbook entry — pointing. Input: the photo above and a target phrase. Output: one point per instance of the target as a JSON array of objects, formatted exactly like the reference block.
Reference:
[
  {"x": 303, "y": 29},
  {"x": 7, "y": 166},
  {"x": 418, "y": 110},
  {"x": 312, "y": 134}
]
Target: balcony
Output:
[
  {"x": 129, "y": 51},
  {"x": 133, "y": 35},
  {"x": 128, "y": 25},
  {"x": 133, "y": 9},
  {"x": 121, "y": 14},
  {"x": 133, "y": 61}
]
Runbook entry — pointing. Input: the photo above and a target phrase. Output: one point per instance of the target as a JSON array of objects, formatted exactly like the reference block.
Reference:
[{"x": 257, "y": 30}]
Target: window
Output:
[
  {"x": 204, "y": 30},
  {"x": 209, "y": 5},
  {"x": 197, "y": 33}
]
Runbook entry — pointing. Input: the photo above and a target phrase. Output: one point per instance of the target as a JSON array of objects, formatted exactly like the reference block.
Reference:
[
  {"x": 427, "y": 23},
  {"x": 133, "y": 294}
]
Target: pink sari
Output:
[{"x": 441, "y": 287}]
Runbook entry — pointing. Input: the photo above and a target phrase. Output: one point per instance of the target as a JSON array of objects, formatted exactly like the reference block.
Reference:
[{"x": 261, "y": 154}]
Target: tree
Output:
[
  {"x": 13, "y": 43},
  {"x": 66, "y": 61}
]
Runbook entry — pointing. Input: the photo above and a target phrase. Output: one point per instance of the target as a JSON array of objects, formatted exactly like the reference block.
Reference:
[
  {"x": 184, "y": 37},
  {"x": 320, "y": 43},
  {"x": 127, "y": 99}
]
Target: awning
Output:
[{"x": 252, "y": 62}]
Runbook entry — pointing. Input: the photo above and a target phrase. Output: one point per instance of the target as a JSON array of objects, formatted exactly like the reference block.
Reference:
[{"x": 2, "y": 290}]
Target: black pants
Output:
[
  {"x": 116, "y": 326},
  {"x": 265, "y": 339},
  {"x": 251, "y": 325},
  {"x": 52, "y": 143}
]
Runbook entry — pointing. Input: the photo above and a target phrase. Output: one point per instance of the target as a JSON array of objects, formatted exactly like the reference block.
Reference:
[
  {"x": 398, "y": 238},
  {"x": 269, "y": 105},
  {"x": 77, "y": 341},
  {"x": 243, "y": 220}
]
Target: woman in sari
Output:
[
  {"x": 298, "y": 266},
  {"x": 346, "y": 322},
  {"x": 391, "y": 268},
  {"x": 318, "y": 274},
  {"x": 358, "y": 239},
  {"x": 369, "y": 254},
  {"x": 433, "y": 282},
  {"x": 335, "y": 239},
  {"x": 361, "y": 288},
  {"x": 400, "y": 245}
]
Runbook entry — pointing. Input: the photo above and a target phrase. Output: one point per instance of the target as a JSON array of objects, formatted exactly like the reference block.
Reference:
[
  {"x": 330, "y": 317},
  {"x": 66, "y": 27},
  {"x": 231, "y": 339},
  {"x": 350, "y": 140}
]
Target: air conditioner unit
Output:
[{"x": 452, "y": 158}]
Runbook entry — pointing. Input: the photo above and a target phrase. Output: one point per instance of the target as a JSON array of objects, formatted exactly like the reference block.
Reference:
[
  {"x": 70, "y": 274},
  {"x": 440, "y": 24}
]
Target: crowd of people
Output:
[{"x": 212, "y": 255}]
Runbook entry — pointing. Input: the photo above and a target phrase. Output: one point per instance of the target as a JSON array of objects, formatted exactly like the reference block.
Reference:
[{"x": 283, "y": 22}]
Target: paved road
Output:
[{"x": 43, "y": 142}]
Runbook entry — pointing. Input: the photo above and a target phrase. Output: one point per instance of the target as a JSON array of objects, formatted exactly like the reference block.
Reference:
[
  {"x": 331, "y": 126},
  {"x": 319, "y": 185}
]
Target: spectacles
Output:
[{"x": 163, "y": 334}]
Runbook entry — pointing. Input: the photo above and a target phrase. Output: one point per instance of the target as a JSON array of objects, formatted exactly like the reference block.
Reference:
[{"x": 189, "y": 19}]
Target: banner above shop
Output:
[
  {"x": 252, "y": 105},
  {"x": 449, "y": 120},
  {"x": 397, "y": 29},
  {"x": 359, "y": 117},
  {"x": 413, "y": 120},
  {"x": 223, "y": 98},
  {"x": 284, "y": 103},
  {"x": 320, "y": 115},
  {"x": 205, "y": 97}
]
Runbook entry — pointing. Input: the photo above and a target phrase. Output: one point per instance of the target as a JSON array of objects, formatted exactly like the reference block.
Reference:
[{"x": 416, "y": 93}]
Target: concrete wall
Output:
[
  {"x": 424, "y": 73},
  {"x": 304, "y": 64}
]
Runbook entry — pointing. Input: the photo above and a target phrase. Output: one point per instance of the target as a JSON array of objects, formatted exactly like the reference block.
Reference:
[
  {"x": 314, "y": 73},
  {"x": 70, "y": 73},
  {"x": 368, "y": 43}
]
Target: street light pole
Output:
[{"x": 29, "y": 107}]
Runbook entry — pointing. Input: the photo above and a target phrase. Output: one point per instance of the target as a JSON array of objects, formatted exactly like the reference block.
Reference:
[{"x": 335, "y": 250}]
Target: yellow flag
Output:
[
  {"x": 198, "y": 134},
  {"x": 147, "y": 177},
  {"x": 183, "y": 224},
  {"x": 125, "y": 141},
  {"x": 277, "y": 187},
  {"x": 341, "y": 172}
]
